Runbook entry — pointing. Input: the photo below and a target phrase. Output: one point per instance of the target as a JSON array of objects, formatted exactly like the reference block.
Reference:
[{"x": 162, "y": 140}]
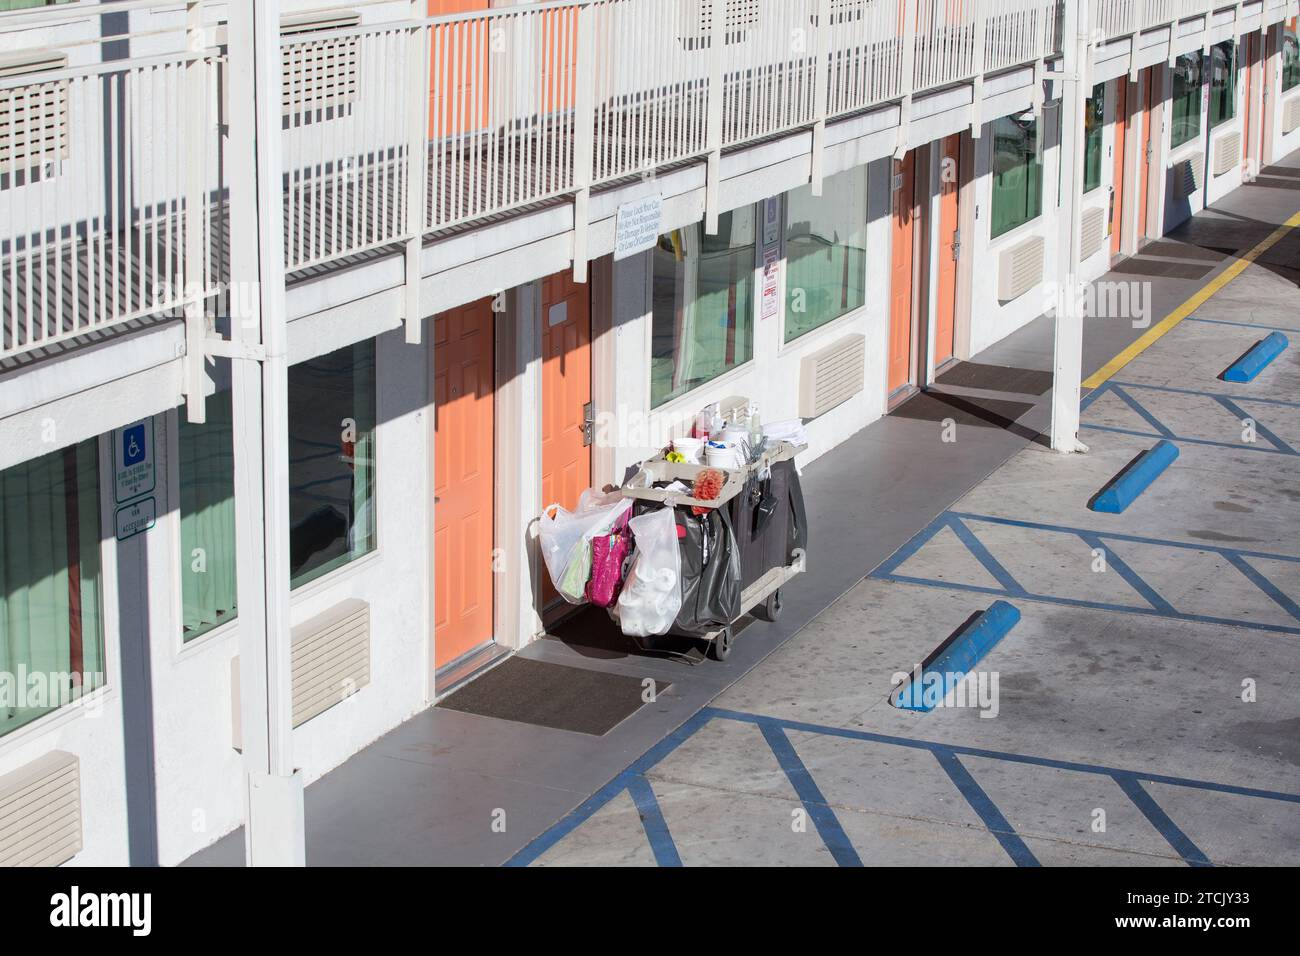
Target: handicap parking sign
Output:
[
  {"x": 133, "y": 461},
  {"x": 133, "y": 444}
]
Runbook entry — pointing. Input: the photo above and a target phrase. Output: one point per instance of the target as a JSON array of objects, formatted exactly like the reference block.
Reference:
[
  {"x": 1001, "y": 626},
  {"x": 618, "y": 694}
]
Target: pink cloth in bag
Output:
[{"x": 608, "y": 554}]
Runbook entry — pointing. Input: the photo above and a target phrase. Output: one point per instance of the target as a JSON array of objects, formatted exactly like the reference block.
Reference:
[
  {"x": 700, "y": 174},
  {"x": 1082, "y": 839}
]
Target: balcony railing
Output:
[{"x": 112, "y": 198}]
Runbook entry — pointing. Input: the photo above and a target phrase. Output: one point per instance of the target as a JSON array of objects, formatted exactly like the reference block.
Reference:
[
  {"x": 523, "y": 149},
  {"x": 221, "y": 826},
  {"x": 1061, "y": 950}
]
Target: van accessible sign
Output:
[
  {"x": 135, "y": 476},
  {"x": 639, "y": 225}
]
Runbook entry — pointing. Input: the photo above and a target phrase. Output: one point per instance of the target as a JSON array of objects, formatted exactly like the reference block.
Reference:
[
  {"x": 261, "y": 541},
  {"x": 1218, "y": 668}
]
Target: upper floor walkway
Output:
[{"x": 401, "y": 130}]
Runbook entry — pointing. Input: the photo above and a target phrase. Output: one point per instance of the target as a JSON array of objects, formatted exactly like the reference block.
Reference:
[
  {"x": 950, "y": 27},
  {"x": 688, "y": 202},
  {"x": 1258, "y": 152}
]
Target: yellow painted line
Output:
[{"x": 1165, "y": 325}]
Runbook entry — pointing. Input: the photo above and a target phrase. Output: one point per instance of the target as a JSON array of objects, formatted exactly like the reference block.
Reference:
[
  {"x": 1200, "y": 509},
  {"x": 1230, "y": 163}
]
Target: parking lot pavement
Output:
[{"x": 1144, "y": 711}]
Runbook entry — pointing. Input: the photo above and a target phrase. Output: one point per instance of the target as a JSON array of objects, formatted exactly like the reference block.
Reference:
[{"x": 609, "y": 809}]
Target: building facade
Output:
[{"x": 848, "y": 196}]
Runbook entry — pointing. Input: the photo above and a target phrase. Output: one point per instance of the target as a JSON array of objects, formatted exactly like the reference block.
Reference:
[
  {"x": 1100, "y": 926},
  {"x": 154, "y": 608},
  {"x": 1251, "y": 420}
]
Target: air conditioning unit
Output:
[
  {"x": 33, "y": 119},
  {"x": 1093, "y": 232},
  {"x": 1227, "y": 153},
  {"x": 40, "y": 812},
  {"x": 1020, "y": 268},
  {"x": 1291, "y": 114},
  {"x": 832, "y": 375}
]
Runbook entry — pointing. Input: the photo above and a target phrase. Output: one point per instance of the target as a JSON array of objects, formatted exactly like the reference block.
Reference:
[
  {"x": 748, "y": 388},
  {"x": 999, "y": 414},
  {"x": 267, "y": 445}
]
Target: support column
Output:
[
  {"x": 1067, "y": 363},
  {"x": 273, "y": 805}
]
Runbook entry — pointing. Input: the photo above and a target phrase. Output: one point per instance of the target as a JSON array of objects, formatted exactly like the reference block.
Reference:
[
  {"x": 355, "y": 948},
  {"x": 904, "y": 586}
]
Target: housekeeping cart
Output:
[{"x": 747, "y": 543}]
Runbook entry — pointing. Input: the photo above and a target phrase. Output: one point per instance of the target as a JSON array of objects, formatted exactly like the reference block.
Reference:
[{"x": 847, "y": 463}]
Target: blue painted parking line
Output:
[
  {"x": 1157, "y": 605},
  {"x": 1242, "y": 325},
  {"x": 1156, "y": 816},
  {"x": 653, "y": 822},
  {"x": 1124, "y": 391},
  {"x": 823, "y": 817},
  {"x": 776, "y": 730}
]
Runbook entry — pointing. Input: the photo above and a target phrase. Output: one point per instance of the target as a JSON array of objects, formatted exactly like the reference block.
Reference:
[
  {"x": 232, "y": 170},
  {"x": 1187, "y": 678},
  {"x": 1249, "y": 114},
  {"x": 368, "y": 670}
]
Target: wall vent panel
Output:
[
  {"x": 1093, "y": 232},
  {"x": 831, "y": 376},
  {"x": 40, "y": 812},
  {"x": 331, "y": 659},
  {"x": 1020, "y": 268},
  {"x": 1188, "y": 176},
  {"x": 1291, "y": 114},
  {"x": 1227, "y": 153},
  {"x": 33, "y": 119}
]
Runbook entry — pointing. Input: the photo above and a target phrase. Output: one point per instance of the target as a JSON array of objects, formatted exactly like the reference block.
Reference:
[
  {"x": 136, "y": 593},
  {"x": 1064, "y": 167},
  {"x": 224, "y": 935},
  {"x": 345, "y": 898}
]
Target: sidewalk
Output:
[{"x": 430, "y": 791}]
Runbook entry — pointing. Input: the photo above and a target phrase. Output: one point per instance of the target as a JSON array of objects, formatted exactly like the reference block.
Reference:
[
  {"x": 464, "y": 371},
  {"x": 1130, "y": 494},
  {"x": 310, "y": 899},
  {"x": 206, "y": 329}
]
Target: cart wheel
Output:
[
  {"x": 770, "y": 609},
  {"x": 720, "y": 646}
]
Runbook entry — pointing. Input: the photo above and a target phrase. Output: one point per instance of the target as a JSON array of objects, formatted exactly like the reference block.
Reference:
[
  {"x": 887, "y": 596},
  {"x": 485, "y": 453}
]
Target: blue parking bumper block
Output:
[
  {"x": 1123, "y": 491},
  {"x": 1257, "y": 359},
  {"x": 927, "y": 690}
]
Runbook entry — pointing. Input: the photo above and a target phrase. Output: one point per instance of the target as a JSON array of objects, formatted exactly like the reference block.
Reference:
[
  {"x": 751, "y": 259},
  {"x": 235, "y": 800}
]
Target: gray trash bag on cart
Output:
[{"x": 711, "y": 584}]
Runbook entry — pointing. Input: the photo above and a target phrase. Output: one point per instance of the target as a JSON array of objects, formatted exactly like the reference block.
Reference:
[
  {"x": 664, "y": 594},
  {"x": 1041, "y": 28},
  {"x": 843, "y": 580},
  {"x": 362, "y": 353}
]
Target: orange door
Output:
[
  {"x": 464, "y": 479},
  {"x": 458, "y": 71},
  {"x": 1121, "y": 140},
  {"x": 1151, "y": 77},
  {"x": 566, "y": 395},
  {"x": 900, "y": 277},
  {"x": 945, "y": 313}
]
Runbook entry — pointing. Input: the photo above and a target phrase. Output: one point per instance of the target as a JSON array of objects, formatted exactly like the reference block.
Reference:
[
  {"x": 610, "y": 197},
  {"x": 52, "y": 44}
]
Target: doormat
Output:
[{"x": 552, "y": 695}]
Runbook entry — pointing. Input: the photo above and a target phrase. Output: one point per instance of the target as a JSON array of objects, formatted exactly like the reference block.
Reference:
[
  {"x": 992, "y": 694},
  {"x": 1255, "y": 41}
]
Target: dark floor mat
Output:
[
  {"x": 1158, "y": 269},
  {"x": 552, "y": 695},
  {"x": 935, "y": 406},
  {"x": 1163, "y": 249},
  {"x": 997, "y": 378}
]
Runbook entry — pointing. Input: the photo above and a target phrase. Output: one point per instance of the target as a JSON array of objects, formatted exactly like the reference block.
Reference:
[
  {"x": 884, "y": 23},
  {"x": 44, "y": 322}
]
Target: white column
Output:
[
  {"x": 1067, "y": 363},
  {"x": 273, "y": 831}
]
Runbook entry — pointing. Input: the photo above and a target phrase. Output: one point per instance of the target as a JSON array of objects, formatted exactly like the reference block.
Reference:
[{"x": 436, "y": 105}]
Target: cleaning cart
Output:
[{"x": 737, "y": 550}]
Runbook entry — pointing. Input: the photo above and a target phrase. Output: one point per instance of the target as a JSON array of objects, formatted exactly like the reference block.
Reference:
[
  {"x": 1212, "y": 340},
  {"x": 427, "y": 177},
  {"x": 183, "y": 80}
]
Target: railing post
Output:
[
  {"x": 417, "y": 166},
  {"x": 1135, "y": 42},
  {"x": 584, "y": 137},
  {"x": 821, "y": 91},
  {"x": 713, "y": 185},
  {"x": 981, "y": 52},
  {"x": 908, "y": 79},
  {"x": 196, "y": 138}
]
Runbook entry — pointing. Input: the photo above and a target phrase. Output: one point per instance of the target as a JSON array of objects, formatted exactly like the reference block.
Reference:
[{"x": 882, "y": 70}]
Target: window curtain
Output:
[
  {"x": 1223, "y": 83},
  {"x": 1017, "y": 174},
  {"x": 207, "y": 483},
  {"x": 361, "y": 534},
  {"x": 1186, "y": 125},
  {"x": 1094, "y": 133},
  {"x": 1290, "y": 59},
  {"x": 51, "y": 618}
]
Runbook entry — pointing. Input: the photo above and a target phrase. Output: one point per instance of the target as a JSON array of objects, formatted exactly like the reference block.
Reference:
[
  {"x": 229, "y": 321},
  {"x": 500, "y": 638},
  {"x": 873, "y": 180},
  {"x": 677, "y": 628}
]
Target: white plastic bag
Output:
[
  {"x": 566, "y": 539},
  {"x": 652, "y": 593}
]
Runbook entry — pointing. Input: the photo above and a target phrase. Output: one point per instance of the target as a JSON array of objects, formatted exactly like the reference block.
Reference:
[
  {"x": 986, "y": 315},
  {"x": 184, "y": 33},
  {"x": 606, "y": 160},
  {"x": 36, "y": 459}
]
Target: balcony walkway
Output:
[{"x": 1072, "y": 677}]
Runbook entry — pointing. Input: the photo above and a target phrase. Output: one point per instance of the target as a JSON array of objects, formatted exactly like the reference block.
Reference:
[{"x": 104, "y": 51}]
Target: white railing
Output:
[
  {"x": 395, "y": 130},
  {"x": 109, "y": 193}
]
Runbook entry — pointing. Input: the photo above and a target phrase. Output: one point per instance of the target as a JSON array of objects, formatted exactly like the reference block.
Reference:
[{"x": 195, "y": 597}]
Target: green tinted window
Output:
[
  {"x": 1186, "y": 100},
  {"x": 1094, "y": 124},
  {"x": 1017, "y": 173},
  {"x": 826, "y": 252}
]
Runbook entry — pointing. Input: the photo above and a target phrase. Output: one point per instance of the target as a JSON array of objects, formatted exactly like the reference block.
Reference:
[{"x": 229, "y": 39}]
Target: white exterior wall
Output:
[
  {"x": 1280, "y": 142},
  {"x": 771, "y": 378}
]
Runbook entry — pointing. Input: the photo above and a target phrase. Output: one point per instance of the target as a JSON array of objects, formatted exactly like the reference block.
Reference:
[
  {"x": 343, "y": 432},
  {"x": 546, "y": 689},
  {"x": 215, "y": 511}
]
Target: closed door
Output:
[
  {"x": 464, "y": 479},
  {"x": 458, "y": 79},
  {"x": 1149, "y": 81},
  {"x": 945, "y": 313},
  {"x": 566, "y": 395},
  {"x": 1117, "y": 198},
  {"x": 900, "y": 276}
]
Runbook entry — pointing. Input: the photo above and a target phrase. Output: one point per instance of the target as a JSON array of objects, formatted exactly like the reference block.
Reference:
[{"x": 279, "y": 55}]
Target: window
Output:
[
  {"x": 703, "y": 305},
  {"x": 6, "y": 5},
  {"x": 331, "y": 461},
  {"x": 1094, "y": 132},
  {"x": 1223, "y": 82},
  {"x": 207, "y": 486},
  {"x": 1017, "y": 173},
  {"x": 1186, "y": 100},
  {"x": 826, "y": 253},
  {"x": 1290, "y": 58},
  {"x": 51, "y": 610}
]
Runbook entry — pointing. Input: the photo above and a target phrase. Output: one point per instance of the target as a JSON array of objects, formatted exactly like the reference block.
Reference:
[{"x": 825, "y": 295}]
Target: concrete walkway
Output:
[{"x": 1119, "y": 691}]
